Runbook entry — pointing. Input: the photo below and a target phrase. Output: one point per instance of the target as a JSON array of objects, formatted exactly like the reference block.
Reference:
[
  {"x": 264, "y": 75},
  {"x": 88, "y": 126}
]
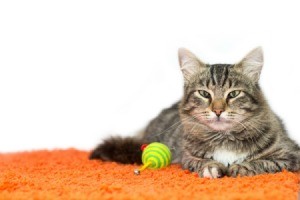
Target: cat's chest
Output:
[{"x": 227, "y": 157}]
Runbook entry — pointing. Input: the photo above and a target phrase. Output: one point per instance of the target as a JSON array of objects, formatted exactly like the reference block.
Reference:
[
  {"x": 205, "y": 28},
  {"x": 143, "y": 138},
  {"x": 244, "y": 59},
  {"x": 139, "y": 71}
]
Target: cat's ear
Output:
[
  {"x": 189, "y": 63},
  {"x": 252, "y": 64}
]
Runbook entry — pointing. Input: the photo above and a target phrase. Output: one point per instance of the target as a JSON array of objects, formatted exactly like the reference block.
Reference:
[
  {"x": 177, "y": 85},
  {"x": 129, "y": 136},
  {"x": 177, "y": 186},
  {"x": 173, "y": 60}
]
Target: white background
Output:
[{"x": 75, "y": 72}]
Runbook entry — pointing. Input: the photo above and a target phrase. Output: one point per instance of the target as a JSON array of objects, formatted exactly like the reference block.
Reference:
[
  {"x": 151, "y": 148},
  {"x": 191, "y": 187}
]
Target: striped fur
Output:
[{"x": 215, "y": 134}]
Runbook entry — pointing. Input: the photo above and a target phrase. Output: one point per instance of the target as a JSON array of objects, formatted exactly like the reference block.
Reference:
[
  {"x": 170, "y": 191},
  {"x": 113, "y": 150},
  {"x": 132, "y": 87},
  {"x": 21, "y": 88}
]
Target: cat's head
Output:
[{"x": 221, "y": 96}]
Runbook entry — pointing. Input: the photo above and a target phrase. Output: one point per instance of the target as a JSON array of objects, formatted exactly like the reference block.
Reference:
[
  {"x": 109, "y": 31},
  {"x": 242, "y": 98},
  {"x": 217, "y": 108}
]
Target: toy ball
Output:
[{"x": 155, "y": 156}]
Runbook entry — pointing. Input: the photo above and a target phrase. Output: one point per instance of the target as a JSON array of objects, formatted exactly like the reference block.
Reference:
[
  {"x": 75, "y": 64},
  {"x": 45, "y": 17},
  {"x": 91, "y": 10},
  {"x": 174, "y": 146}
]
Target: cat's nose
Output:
[
  {"x": 218, "y": 106},
  {"x": 218, "y": 112}
]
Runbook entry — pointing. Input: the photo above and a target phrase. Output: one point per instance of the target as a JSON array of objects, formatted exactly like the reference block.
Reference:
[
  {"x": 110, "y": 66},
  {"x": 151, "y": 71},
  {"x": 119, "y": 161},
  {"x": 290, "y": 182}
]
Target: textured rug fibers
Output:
[{"x": 68, "y": 174}]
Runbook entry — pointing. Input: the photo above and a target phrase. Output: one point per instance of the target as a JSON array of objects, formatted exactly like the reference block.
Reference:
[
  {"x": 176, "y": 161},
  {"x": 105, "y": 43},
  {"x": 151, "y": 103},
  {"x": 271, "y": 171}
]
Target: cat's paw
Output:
[
  {"x": 191, "y": 164},
  {"x": 212, "y": 170},
  {"x": 243, "y": 169}
]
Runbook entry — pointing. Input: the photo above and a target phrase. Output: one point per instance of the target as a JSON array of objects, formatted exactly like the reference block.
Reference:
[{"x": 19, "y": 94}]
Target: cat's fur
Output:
[{"x": 212, "y": 132}]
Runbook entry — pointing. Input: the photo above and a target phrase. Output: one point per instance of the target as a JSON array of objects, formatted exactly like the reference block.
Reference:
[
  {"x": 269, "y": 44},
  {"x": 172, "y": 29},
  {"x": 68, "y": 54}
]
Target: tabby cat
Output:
[{"x": 223, "y": 125}]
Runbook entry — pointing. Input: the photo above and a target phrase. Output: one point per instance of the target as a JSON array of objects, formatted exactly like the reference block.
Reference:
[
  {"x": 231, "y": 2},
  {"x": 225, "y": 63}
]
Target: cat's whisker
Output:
[
  {"x": 179, "y": 123},
  {"x": 242, "y": 124},
  {"x": 192, "y": 129},
  {"x": 252, "y": 137}
]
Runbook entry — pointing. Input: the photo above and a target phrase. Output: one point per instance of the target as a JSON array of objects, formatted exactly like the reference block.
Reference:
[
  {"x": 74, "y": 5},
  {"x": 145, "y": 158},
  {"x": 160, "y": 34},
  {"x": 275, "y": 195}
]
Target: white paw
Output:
[{"x": 212, "y": 173}]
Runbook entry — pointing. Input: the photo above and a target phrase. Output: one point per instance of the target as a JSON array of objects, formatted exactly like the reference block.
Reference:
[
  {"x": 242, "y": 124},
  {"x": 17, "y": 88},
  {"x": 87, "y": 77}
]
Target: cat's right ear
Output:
[
  {"x": 252, "y": 64},
  {"x": 189, "y": 64}
]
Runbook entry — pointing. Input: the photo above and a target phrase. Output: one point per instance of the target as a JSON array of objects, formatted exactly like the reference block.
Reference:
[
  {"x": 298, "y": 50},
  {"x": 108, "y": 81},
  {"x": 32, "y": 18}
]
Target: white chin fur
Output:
[{"x": 220, "y": 126}]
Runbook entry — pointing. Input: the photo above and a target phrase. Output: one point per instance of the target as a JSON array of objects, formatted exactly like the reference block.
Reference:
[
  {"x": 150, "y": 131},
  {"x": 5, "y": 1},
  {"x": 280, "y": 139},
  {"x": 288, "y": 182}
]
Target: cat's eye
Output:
[
  {"x": 234, "y": 94},
  {"x": 204, "y": 94}
]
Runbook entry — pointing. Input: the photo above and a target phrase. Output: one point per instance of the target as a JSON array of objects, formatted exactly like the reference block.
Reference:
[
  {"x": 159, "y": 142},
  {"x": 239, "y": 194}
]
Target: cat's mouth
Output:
[
  {"x": 219, "y": 124},
  {"x": 217, "y": 120},
  {"x": 216, "y": 123}
]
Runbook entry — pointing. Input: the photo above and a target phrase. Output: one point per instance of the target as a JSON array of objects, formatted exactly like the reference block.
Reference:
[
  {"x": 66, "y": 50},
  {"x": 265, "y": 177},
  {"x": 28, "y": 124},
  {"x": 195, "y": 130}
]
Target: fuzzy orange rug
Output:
[{"x": 68, "y": 174}]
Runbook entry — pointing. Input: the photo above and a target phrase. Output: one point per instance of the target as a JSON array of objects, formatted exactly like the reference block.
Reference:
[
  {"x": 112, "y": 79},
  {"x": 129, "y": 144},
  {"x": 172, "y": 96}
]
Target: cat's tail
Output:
[{"x": 123, "y": 150}]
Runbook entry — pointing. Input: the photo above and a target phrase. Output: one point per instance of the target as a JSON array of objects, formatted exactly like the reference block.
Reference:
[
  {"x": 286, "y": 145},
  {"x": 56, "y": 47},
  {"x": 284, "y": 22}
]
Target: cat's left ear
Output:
[
  {"x": 189, "y": 64},
  {"x": 251, "y": 64}
]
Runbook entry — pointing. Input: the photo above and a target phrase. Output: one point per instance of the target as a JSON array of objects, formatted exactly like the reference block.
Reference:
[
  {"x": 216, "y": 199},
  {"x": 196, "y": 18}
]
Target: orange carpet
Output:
[{"x": 68, "y": 174}]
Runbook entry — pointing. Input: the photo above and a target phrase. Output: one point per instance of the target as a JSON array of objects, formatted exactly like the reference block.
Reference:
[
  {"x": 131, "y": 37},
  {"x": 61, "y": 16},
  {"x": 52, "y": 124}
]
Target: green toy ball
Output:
[{"x": 155, "y": 156}]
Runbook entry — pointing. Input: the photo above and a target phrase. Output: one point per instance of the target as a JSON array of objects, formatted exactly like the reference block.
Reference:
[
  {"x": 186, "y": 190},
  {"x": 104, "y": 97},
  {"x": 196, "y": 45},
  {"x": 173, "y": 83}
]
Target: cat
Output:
[{"x": 223, "y": 125}]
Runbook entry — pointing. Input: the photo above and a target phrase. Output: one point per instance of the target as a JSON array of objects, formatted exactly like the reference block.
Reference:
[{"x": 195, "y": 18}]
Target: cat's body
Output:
[{"x": 222, "y": 126}]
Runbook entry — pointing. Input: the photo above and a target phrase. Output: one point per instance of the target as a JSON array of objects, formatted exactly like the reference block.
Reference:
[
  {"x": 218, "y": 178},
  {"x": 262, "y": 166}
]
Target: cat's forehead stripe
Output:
[
  {"x": 212, "y": 74},
  {"x": 218, "y": 74},
  {"x": 225, "y": 75}
]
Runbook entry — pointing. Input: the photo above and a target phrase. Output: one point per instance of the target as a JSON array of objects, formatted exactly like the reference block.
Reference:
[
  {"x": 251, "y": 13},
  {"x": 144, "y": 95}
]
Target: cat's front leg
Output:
[
  {"x": 288, "y": 161},
  {"x": 206, "y": 168}
]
